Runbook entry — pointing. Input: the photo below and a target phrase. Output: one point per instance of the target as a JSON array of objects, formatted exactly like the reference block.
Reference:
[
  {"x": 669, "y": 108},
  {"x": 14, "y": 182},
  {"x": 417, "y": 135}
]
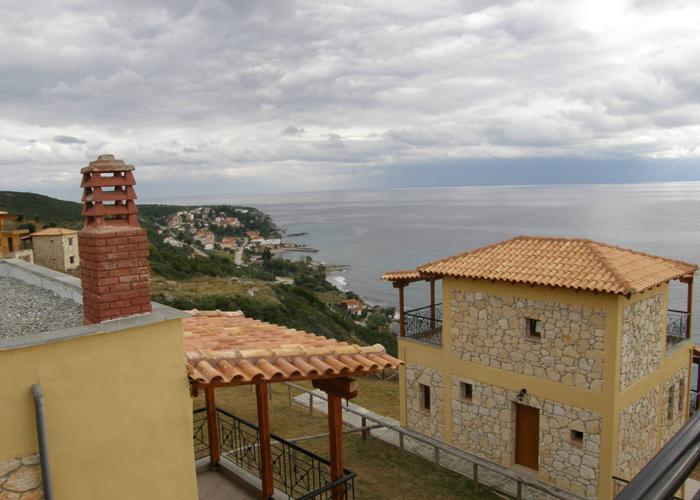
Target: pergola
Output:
[
  {"x": 227, "y": 349},
  {"x": 401, "y": 279}
]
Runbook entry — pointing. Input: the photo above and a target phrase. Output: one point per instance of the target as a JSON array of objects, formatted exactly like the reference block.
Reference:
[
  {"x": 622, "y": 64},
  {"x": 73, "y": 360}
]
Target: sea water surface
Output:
[{"x": 375, "y": 231}]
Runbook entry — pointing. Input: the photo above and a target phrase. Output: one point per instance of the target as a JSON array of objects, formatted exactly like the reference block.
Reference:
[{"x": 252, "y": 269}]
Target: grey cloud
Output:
[
  {"x": 68, "y": 139},
  {"x": 292, "y": 130}
]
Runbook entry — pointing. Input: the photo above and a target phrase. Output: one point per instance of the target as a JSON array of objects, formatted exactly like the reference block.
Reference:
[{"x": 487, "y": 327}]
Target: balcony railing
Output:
[
  {"x": 297, "y": 472},
  {"x": 419, "y": 325},
  {"x": 677, "y": 328}
]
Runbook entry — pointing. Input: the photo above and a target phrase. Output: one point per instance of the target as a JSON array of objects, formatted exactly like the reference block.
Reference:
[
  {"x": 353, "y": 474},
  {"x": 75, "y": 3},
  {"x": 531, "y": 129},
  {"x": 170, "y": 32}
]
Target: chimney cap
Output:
[{"x": 106, "y": 163}]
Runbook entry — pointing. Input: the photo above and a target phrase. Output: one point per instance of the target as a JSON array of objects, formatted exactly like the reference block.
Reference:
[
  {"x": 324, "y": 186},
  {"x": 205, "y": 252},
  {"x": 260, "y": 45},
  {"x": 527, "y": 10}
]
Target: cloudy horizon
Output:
[{"x": 282, "y": 96}]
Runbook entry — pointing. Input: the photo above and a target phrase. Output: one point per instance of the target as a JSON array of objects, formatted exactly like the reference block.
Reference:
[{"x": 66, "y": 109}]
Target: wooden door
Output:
[{"x": 527, "y": 436}]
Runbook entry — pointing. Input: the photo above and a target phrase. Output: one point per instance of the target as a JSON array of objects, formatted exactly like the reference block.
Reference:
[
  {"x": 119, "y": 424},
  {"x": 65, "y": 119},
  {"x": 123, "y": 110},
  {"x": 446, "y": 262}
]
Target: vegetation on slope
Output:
[{"x": 43, "y": 209}]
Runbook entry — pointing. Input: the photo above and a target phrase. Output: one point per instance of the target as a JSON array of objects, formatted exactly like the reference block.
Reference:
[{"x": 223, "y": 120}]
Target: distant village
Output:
[{"x": 206, "y": 229}]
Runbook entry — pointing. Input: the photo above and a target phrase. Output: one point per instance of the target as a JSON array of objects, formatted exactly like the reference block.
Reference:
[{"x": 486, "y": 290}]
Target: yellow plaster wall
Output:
[{"x": 119, "y": 415}]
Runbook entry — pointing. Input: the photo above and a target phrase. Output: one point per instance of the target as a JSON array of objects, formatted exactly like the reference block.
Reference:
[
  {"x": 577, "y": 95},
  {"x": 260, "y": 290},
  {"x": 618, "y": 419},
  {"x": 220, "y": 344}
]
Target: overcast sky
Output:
[{"x": 268, "y": 96}]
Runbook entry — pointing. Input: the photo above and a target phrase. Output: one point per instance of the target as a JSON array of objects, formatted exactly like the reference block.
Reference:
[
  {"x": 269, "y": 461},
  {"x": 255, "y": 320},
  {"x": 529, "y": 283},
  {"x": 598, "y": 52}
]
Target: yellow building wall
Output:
[
  {"x": 608, "y": 402},
  {"x": 118, "y": 412}
]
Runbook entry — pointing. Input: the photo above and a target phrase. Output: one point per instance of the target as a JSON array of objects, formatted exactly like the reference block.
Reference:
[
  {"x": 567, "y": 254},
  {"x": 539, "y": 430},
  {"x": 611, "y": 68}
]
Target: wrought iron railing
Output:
[
  {"x": 200, "y": 433},
  {"x": 297, "y": 472},
  {"x": 419, "y": 325},
  {"x": 693, "y": 402},
  {"x": 677, "y": 328}
]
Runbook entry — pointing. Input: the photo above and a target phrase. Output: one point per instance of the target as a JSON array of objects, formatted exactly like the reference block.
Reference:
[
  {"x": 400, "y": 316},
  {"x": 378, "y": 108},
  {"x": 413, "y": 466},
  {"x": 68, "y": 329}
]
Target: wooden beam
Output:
[
  {"x": 402, "y": 326},
  {"x": 344, "y": 387},
  {"x": 264, "y": 435},
  {"x": 212, "y": 426},
  {"x": 335, "y": 431}
]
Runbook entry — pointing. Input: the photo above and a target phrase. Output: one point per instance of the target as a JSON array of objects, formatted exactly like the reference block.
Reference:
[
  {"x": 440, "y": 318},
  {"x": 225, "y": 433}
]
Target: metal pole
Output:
[
  {"x": 402, "y": 326},
  {"x": 43, "y": 441}
]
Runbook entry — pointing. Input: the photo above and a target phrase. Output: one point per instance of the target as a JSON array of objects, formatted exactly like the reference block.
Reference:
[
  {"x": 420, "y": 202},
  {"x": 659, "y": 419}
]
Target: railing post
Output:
[
  {"x": 519, "y": 496},
  {"x": 436, "y": 452},
  {"x": 212, "y": 425},
  {"x": 475, "y": 474},
  {"x": 401, "y": 440},
  {"x": 311, "y": 403},
  {"x": 364, "y": 431}
]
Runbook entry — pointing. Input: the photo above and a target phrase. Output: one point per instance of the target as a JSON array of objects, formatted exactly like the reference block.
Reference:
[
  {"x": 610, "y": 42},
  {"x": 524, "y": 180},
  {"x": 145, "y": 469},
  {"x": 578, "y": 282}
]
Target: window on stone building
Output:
[
  {"x": 669, "y": 412},
  {"x": 72, "y": 259},
  {"x": 425, "y": 396},
  {"x": 577, "y": 437},
  {"x": 681, "y": 394},
  {"x": 70, "y": 242},
  {"x": 533, "y": 328},
  {"x": 466, "y": 390}
]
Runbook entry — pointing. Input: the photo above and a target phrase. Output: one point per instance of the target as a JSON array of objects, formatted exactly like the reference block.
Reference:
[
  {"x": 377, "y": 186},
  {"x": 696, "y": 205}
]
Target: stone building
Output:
[
  {"x": 558, "y": 359},
  {"x": 56, "y": 248}
]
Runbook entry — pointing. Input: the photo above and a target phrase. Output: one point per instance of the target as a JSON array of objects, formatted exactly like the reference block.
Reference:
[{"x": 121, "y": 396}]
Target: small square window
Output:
[
  {"x": 533, "y": 328},
  {"x": 577, "y": 437},
  {"x": 72, "y": 259},
  {"x": 425, "y": 396},
  {"x": 466, "y": 390},
  {"x": 70, "y": 242}
]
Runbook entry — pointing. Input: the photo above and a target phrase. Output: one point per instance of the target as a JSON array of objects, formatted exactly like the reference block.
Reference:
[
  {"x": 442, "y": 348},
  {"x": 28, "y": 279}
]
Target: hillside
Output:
[{"x": 42, "y": 209}]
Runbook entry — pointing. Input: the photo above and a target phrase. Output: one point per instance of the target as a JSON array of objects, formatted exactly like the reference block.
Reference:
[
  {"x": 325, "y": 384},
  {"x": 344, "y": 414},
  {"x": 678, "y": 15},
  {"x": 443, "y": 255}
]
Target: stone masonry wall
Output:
[
  {"x": 20, "y": 479},
  {"x": 485, "y": 426},
  {"x": 642, "y": 339},
  {"x": 637, "y": 435},
  {"x": 490, "y": 330},
  {"x": 429, "y": 422},
  {"x": 48, "y": 252},
  {"x": 679, "y": 383}
]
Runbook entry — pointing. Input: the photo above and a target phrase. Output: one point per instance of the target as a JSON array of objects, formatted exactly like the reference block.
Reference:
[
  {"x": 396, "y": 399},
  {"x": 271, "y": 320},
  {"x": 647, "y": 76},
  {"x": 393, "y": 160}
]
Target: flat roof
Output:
[
  {"x": 39, "y": 306},
  {"x": 27, "y": 309}
]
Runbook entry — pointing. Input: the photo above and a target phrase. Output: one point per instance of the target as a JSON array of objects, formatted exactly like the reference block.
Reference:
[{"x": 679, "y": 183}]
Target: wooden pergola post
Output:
[
  {"x": 336, "y": 389},
  {"x": 689, "y": 307},
  {"x": 264, "y": 437},
  {"x": 432, "y": 307},
  {"x": 402, "y": 327},
  {"x": 212, "y": 425}
]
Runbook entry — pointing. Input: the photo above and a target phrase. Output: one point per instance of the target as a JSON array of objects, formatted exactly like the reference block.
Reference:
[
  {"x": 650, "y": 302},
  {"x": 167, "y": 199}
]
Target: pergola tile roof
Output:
[
  {"x": 402, "y": 275},
  {"x": 574, "y": 263},
  {"x": 227, "y": 347}
]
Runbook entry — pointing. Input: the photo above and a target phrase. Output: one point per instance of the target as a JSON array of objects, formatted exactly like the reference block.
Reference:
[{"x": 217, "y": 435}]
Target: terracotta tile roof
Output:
[
  {"x": 403, "y": 275},
  {"x": 562, "y": 262},
  {"x": 54, "y": 231},
  {"x": 228, "y": 347}
]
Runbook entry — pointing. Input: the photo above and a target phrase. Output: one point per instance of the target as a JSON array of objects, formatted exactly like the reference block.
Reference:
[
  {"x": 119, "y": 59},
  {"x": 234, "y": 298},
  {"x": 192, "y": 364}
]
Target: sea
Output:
[{"x": 370, "y": 232}]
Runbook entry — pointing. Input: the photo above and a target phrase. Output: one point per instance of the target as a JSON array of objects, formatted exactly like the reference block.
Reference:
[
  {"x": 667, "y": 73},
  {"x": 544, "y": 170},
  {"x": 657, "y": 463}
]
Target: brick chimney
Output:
[{"x": 113, "y": 247}]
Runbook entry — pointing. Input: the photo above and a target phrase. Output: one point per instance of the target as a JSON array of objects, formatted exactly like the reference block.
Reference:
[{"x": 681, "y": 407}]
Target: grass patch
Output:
[{"x": 383, "y": 471}]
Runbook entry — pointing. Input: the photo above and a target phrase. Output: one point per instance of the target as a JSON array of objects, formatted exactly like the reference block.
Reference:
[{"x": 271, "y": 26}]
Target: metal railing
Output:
[
  {"x": 419, "y": 325},
  {"x": 296, "y": 471},
  {"x": 666, "y": 472},
  {"x": 677, "y": 327},
  {"x": 693, "y": 402},
  {"x": 489, "y": 475}
]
